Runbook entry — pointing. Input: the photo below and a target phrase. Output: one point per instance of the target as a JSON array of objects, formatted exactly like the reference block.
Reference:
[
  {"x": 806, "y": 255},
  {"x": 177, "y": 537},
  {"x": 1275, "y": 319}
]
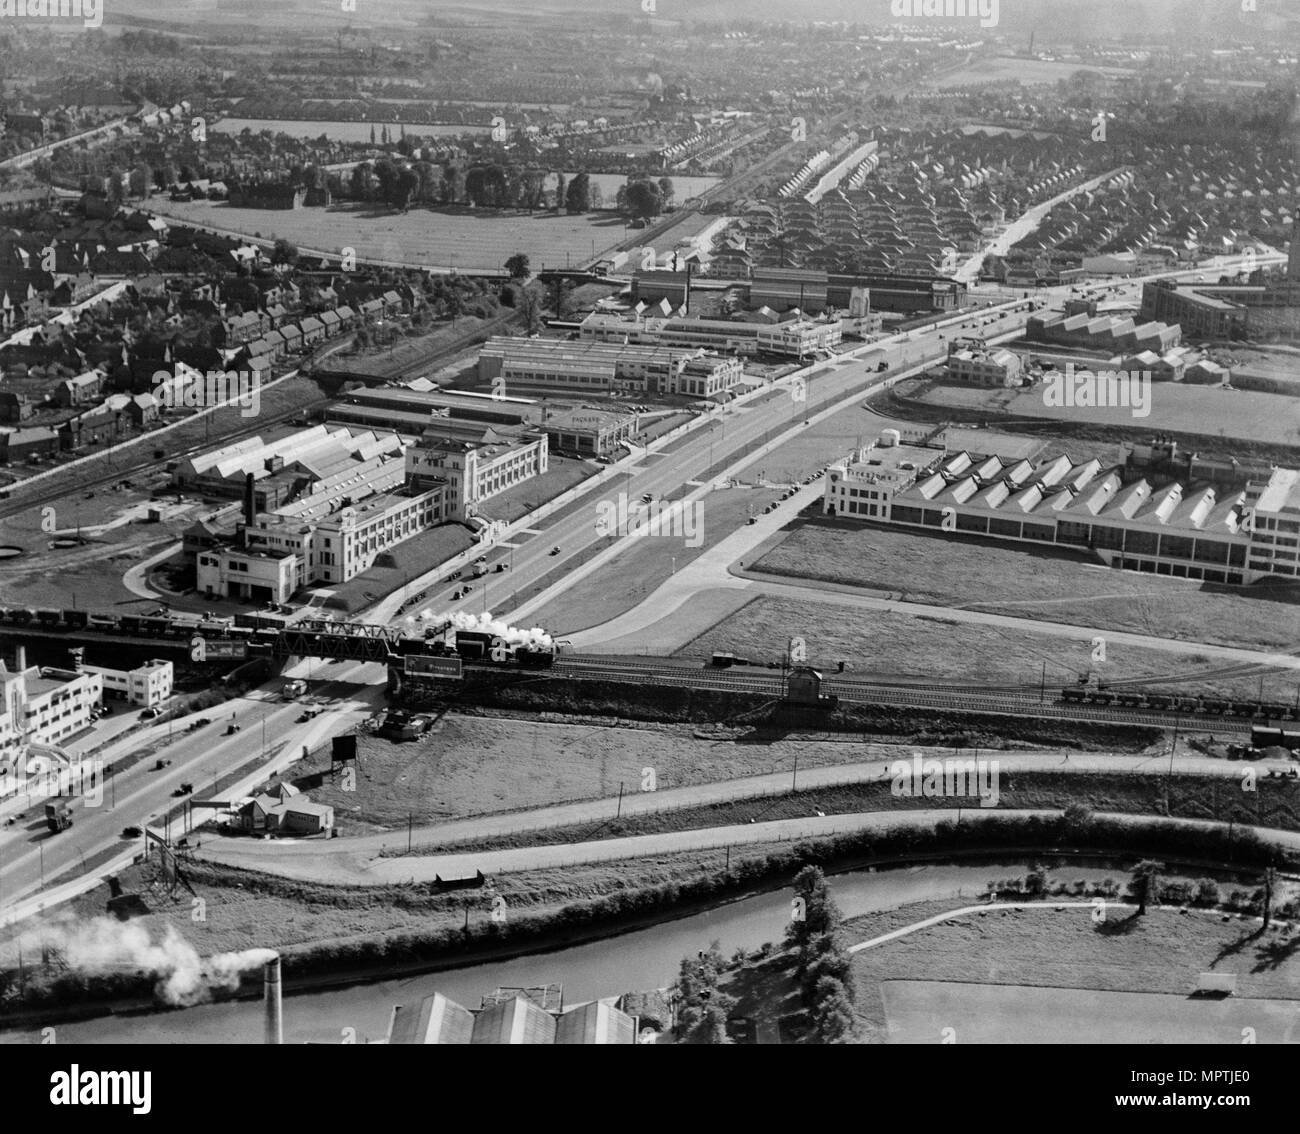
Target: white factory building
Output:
[{"x": 1193, "y": 530}]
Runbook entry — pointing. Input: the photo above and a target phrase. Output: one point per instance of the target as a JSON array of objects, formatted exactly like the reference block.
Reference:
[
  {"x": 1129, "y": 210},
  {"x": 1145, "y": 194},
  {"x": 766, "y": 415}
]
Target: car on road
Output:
[
  {"x": 184, "y": 789},
  {"x": 131, "y": 832},
  {"x": 149, "y": 714},
  {"x": 232, "y": 728},
  {"x": 555, "y": 550},
  {"x": 752, "y": 520},
  {"x": 159, "y": 765}
]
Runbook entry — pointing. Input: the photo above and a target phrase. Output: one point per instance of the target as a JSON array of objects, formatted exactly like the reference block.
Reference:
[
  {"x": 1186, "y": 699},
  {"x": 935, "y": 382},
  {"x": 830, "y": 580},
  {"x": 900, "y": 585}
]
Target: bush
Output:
[
  {"x": 1207, "y": 892},
  {"x": 1177, "y": 893}
]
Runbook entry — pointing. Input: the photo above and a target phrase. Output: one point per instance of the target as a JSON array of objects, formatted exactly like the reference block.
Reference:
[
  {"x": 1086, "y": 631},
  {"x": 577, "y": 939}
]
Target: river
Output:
[{"x": 645, "y": 959}]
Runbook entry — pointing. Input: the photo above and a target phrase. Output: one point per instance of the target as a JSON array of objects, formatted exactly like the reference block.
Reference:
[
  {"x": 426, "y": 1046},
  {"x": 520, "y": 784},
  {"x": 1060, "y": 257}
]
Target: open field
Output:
[
  {"x": 466, "y": 239},
  {"x": 921, "y": 1011},
  {"x": 1023, "y": 70},
  {"x": 1162, "y": 952},
  {"x": 953, "y": 570},
  {"x": 1191, "y": 797},
  {"x": 1268, "y": 418},
  {"x": 933, "y": 649},
  {"x": 479, "y": 765}
]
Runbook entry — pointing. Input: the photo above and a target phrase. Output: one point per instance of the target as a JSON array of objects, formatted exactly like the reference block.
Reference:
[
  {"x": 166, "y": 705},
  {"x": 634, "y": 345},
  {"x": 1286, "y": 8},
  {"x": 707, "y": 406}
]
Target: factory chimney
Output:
[
  {"x": 249, "y": 505},
  {"x": 20, "y": 658},
  {"x": 271, "y": 1001},
  {"x": 687, "y": 295}
]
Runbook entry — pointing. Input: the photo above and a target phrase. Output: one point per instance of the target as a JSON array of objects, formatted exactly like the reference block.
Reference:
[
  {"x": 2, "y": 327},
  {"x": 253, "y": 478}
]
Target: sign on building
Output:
[{"x": 416, "y": 665}]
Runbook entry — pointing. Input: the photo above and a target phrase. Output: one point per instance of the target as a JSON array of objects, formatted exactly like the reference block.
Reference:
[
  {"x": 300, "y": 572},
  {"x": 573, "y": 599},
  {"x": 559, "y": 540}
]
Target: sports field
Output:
[
  {"x": 466, "y": 239},
  {"x": 923, "y": 1011}
]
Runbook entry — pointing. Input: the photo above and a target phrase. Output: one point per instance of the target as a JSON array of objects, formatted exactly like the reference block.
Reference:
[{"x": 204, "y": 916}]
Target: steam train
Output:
[
  {"x": 481, "y": 648},
  {"x": 1173, "y": 702}
]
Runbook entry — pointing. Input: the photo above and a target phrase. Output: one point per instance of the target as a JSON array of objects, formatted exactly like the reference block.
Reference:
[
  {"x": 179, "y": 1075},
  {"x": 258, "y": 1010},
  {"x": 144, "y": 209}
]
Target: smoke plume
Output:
[
  {"x": 534, "y": 638},
  {"x": 104, "y": 945}
]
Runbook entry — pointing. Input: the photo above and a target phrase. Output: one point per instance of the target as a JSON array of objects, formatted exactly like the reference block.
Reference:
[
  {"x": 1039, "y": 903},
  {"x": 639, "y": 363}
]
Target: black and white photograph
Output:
[{"x": 649, "y": 522}]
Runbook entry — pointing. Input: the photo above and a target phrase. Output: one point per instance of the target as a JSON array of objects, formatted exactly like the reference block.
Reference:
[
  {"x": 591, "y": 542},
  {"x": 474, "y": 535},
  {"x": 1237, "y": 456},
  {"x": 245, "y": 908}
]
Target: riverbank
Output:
[{"x": 418, "y": 928}]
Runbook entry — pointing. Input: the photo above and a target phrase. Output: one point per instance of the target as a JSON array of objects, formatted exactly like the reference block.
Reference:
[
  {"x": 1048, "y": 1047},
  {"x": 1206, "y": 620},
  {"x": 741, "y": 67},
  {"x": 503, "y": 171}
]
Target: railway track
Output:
[{"x": 1014, "y": 702}]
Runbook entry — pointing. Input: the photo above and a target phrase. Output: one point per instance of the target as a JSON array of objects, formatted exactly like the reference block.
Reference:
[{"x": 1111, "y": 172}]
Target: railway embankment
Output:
[{"x": 759, "y": 715}]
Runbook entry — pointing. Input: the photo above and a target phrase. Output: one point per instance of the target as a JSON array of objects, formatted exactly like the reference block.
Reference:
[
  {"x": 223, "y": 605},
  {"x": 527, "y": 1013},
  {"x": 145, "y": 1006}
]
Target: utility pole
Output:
[
  {"x": 409, "y": 817},
  {"x": 619, "y": 812},
  {"x": 1042, "y": 685}
]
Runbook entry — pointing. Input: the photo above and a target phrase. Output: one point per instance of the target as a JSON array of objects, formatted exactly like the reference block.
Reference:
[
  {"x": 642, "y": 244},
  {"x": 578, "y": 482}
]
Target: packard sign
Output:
[
  {"x": 205, "y": 649},
  {"x": 420, "y": 666}
]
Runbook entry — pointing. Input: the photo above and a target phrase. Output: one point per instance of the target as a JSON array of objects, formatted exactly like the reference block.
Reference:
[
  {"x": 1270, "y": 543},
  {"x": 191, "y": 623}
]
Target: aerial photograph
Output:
[{"x": 671, "y": 522}]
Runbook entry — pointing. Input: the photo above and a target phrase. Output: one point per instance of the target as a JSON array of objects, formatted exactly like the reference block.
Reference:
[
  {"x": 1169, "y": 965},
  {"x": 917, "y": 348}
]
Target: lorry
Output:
[
  {"x": 58, "y": 815},
  {"x": 295, "y": 688}
]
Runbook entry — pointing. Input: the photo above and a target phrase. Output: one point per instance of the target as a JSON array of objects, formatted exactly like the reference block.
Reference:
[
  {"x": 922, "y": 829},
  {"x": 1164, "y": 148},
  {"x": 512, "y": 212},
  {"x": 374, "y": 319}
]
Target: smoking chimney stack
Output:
[{"x": 271, "y": 1001}]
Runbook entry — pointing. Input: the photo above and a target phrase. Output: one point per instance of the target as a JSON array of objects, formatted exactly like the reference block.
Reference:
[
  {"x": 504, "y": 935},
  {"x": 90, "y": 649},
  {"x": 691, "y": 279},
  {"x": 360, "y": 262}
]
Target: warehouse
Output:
[{"x": 1197, "y": 530}]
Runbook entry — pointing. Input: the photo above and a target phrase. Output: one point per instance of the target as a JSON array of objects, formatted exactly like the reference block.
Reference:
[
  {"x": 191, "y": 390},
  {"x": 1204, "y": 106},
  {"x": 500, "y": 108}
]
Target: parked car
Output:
[{"x": 149, "y": 714}]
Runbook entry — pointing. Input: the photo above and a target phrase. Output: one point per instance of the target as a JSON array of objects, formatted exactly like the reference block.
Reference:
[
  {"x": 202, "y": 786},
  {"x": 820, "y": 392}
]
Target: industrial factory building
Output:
[
  {"x": 511, "y": 1016},
  {"x": 471, "y": 466},
  {"x": 349, "y": 503},
  {"x": 1235, "y": 534},
  {"x": 44, "y": 705},
  {"x": 791, "y": 338},
  {"x": 409, "y": 410},
  {"x": 644, "y": 368}
]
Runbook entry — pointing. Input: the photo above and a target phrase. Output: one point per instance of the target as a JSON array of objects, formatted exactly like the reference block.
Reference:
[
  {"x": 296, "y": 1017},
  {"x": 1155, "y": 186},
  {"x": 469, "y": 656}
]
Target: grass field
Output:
[
  {"x": 1162, "y": 952},
  {"x": 1192, "y": 797},
  {"x": 478, "y": 765},
  {"x": 1022, "y": 70},
  {"x": 1183, "y": 408},
  {"x": 953, "y": 570},
  {"x": 921, "y": 1011},
  {"x": 899, "y": 645},
  {"x": 469, "y": 240}
]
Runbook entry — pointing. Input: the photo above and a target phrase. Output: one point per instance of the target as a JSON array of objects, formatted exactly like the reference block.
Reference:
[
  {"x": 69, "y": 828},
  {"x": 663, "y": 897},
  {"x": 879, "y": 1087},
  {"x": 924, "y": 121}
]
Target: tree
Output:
[
  {"x": 702, "y": 1007},
  {"x": 141, "y": 180},
  {"x": 815, "y": 912},
  {"x": 528, "y": 302},
  {"x": 832, "y": 1012},
  {"x": 666, "y": 190},
  {"x": 1146, "y": 882},
  {"x": 1270, "y": 880},
  {"x": 644, "y": 199},
  {"x": 595, "y": 197},
  {"x": 517, "y": 266},
  {"x": 284, "y": 252},
  {"x": 578, "y": 198}
]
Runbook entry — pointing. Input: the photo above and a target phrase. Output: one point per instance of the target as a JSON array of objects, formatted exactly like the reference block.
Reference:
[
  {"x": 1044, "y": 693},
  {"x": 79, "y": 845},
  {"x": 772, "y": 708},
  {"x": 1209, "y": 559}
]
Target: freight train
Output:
[
  {"x": 157, "y": 625},
  {"x": 1178, "y": 703}
]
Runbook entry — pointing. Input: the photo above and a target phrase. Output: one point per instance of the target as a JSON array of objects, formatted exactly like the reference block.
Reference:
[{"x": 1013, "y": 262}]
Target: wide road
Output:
[{"x": 31, "y": 854}]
